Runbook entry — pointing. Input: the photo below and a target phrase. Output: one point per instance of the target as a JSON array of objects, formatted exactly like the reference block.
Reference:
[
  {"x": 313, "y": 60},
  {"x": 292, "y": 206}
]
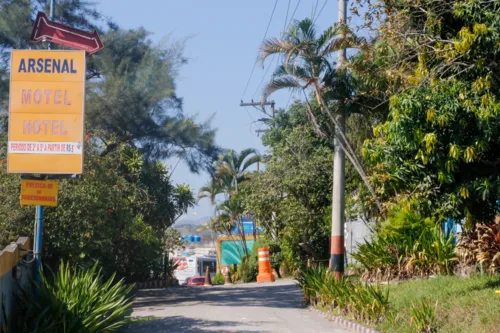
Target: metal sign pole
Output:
[
  {"x": 38, "y": 243},
  {"x": 39, "y": 208}
]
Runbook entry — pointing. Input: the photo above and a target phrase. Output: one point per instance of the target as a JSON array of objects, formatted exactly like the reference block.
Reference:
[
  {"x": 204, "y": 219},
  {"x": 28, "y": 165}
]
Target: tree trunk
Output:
[
  {"x": 338, "y": 203},
  {"x": 254, "y": 226},
  {"x": 242, "y": 235}
]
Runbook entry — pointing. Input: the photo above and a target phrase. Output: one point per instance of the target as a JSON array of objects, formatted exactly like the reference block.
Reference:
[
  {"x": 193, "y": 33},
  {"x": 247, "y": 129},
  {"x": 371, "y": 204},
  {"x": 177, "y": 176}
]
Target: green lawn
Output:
[{"x": 463, "y": 304}]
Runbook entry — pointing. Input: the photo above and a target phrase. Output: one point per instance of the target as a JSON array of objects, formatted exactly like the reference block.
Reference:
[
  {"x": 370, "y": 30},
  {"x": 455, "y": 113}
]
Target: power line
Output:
[
  {"x": 295, "y": 10},
  {"x": 286, "y": 17},
  {"x": 320, "y": 11},
  {"x": 313, "y": 14},
  {"x": 263, "y": 39},
  {"x": 274, "y": 55},
  {"x": 288, "y": 103},
  {"x": 265, "y": 73},
  {"x": 246, "y": 109}
]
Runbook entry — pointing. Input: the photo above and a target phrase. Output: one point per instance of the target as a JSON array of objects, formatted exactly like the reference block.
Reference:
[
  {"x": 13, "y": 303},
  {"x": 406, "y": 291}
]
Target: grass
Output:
[{"x": 463, "y": 304}]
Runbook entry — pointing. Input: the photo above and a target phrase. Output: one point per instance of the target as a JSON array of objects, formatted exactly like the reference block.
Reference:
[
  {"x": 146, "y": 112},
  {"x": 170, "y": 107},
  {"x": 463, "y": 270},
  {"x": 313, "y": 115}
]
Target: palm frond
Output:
[
  {"x": 296, "y": 71},
  {"x": 242, "y": 156},
  {"x": 288, "y": 82},
  {"x": 306, "y": 29},
  {"x": 210, "y": 190},
  {"x": 349, "y": 42},
  {"x": 251, "y": 161},
  {"x": 274, "y": 46},
  {"x": 332, "y": 32}
]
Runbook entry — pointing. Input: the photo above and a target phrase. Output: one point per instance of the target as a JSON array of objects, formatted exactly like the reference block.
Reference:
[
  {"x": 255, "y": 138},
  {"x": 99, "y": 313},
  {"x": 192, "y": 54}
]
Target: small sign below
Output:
[{"x": 39, "y": 192}]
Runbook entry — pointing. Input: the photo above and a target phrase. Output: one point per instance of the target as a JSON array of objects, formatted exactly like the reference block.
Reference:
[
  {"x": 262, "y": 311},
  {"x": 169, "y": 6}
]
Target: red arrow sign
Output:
[{"x": 46, "y": 30}]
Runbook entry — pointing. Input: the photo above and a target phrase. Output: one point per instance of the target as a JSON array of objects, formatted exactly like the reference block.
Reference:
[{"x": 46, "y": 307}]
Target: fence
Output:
[{"x": 15, "y": 274}]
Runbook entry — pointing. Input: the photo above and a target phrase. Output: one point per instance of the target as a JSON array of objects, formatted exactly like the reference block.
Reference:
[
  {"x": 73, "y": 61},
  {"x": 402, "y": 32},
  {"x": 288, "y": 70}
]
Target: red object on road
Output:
[
  {"x": 47, "y": 30},
  {"x": 196, "y": 281}
]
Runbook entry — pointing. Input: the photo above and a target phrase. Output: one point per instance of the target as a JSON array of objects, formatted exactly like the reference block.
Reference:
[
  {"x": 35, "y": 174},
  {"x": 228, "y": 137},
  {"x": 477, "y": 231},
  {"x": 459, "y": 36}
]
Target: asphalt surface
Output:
[{"x": 243, "y": 308}]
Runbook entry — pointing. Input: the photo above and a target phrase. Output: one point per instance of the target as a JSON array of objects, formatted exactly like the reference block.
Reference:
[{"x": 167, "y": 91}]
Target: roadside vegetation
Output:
[
  {"x": 421, "y": 101},
  {"x": 75, "y": 300},
  {"x": 444, "y": 304}
]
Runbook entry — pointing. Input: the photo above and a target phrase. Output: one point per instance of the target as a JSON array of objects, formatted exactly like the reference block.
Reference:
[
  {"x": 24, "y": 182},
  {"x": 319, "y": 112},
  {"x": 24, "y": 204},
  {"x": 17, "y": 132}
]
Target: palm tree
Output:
[
  {"x": 307, "y": 65},
  {"x": 232, "y": 210},
  {"x": 235, "y": 166},
  {"x": 230, "y": 170}
]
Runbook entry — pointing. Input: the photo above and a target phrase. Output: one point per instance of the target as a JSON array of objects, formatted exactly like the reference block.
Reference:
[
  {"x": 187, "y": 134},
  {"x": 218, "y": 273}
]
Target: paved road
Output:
[{"x": 241, "y": 308}]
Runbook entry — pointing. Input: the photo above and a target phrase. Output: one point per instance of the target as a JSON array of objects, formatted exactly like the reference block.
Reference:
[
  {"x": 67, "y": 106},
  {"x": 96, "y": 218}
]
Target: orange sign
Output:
[
  {"x": 47, "y": 97},
  {"x": 39, "y": 192}
]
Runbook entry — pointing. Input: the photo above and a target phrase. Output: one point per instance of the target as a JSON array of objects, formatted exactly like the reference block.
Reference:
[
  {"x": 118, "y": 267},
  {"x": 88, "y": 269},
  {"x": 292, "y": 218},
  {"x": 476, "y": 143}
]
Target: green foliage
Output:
[
  {"x": 248, "y": 269},
  {"x": 117, "y": 214},
  {"x": 438, "y": 146},
  {"x": 363, "y": 302},
  {"x": 464, "y": 304},
  {"x": 173, "y": 240},
  {"x": 423, "y": 318},
  {"x": 405, "y": 222},
  {"x": 289, "y": 198},
  {"x": 76, "y": 300},
  {"x": 218, "y": 279},
  {"x": 408, "y": 245},
  {"x": 134, "y": 101}
]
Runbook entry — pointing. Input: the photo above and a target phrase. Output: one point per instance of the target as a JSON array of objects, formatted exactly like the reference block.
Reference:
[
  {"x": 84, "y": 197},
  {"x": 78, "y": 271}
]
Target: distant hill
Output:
[
  {"x": 193, "y": 221},
  {"x": 190, "y": 227}
]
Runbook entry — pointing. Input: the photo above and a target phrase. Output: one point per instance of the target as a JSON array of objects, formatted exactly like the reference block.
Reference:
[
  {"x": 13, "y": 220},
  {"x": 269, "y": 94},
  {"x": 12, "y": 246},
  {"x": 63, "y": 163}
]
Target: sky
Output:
[{"x": 223, "y": 42}]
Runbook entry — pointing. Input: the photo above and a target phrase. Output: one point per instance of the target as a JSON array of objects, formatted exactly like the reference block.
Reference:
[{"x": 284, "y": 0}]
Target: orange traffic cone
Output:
[{"x": 265, "y": 272}]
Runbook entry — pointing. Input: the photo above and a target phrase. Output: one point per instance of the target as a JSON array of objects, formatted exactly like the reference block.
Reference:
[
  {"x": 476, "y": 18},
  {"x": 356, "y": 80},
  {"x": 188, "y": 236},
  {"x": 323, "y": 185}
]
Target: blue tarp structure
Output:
[
  {"x": 247, "y": 226},
  {"x": 451, "y": 227}
]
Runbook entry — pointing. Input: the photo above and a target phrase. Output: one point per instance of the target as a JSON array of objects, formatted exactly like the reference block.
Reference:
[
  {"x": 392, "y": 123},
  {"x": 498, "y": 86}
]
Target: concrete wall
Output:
[
  {"x": 15, "y": 274},
  {"x": 355, "y": 232}
]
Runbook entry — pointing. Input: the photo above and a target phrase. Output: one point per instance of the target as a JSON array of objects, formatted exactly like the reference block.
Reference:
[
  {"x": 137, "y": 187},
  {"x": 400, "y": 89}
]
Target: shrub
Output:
[
  {"x": 80, "y": 301},
  {"x": 407, "y": 245},
  {"x": 347, "y": 296},
  {"x": 248, "y": 269},
  {"x": 218, "y": 279},
  {"x": 405, "y": 222},
  {"x": 481, "y": 245}
]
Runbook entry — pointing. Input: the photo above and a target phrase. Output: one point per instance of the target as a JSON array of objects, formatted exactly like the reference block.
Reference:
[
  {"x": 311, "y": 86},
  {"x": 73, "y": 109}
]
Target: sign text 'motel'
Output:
[{"x": 47, "y": 95}]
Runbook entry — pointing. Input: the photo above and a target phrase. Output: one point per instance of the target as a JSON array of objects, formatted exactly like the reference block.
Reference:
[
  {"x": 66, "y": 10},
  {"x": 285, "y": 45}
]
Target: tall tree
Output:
[
  {"x": 291, "y": 197},
  {"x": 438, "y": 151},
  {"x": 125, "y": 200},
  {"x": 132, "y": 99},
  {"x": 307, "y": 65},
  {"x": 235, "y": 165}
]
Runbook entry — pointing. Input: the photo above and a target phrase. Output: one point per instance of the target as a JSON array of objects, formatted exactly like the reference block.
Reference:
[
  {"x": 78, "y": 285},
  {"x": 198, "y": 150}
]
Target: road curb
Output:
[{"x": 342, "y": 322}]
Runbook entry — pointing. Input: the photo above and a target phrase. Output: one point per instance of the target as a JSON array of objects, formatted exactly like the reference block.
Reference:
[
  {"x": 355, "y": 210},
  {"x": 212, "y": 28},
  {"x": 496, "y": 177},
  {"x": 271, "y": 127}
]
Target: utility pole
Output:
[
  {"x": 261, "y": 107},
  {"x": 337, "y": 248},
  {"x": 39, "y": 209}
]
